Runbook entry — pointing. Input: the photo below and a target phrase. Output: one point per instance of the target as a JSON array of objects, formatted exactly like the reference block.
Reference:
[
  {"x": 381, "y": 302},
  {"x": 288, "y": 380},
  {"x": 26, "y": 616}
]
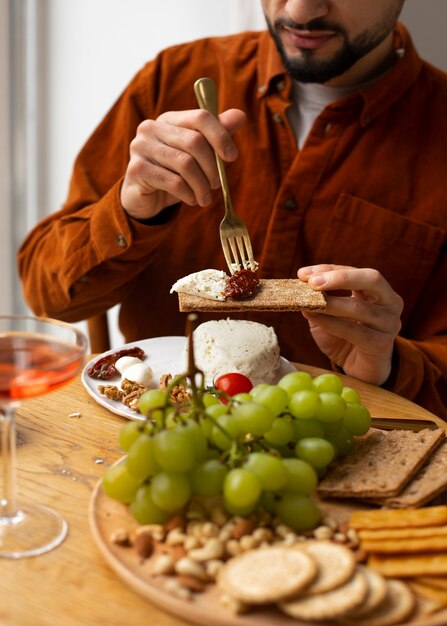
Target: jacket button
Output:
[
  {"x": 122, "y": 241},
  {"x": 278, "y": 118},
  {"x": 290, "y": 204}
]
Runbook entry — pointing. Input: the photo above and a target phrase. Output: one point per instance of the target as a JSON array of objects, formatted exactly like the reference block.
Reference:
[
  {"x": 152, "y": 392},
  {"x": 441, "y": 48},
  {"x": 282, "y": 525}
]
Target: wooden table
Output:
[{"x": 60, "y": 459}]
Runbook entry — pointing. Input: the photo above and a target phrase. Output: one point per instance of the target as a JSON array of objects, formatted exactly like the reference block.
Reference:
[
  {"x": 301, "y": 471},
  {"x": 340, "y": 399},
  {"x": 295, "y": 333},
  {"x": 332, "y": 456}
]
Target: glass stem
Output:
[{"x": 8, "y": 502}]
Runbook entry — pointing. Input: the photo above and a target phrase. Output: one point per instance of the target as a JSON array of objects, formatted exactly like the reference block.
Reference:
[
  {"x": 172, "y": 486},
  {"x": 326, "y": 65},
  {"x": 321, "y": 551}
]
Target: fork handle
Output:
[{"x": 206, "y": 94}]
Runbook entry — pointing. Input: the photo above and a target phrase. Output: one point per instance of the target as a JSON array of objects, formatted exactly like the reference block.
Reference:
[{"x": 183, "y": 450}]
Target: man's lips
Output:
[{"x": 308, "y": 39}]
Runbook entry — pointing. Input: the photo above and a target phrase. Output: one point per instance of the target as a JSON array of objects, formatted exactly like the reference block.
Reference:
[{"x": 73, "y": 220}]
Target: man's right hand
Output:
[{"x": 172, "y": 160}]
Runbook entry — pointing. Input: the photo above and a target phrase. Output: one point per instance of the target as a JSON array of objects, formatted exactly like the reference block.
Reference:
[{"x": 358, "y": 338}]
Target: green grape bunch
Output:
[{"x": 257, "y": 448}]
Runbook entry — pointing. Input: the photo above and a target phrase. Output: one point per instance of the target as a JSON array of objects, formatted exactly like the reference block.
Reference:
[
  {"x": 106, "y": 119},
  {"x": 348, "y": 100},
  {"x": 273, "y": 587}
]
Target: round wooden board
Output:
[{"x": 107, "y": 515}]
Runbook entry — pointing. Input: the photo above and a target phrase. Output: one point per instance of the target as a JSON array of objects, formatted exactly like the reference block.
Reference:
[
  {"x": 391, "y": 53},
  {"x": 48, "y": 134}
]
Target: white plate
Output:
[{"x": 163, "y": 355}]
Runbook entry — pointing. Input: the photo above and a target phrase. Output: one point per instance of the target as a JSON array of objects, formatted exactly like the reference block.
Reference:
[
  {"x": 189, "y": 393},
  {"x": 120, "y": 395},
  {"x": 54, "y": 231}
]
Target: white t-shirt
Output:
[{"x": 309, "y": 100}]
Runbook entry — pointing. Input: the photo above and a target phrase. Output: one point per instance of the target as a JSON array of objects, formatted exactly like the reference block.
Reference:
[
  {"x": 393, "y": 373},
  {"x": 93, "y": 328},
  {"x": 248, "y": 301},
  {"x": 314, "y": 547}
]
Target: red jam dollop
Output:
[{"x": 241, "y": 285}]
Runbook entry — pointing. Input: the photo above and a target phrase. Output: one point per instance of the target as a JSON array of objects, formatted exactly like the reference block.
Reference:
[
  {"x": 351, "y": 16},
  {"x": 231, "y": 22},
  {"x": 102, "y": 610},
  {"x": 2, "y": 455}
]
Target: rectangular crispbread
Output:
[
  {"x": 429, "y": 482},
  {"x": 276, "y": 294},
  {"x": 402, "y": 533},
  {"x": 415, "y": 544},
  {"x": 381, "y": 464},
  {"x": 432, "y": 581},
  {"x": 399, "y": 518},
  {"x": 408, "y": 566}
]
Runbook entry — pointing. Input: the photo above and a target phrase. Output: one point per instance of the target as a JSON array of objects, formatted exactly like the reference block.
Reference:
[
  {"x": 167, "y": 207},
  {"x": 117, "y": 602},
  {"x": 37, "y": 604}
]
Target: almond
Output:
[{"x": 242, "y": 527}]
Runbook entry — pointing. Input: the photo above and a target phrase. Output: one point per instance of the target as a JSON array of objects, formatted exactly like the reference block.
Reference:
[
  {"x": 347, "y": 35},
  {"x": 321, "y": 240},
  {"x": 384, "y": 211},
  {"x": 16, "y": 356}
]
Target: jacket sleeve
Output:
[
  {"x": 420, "y": 374},
  {"x": 81, "y": 260}
]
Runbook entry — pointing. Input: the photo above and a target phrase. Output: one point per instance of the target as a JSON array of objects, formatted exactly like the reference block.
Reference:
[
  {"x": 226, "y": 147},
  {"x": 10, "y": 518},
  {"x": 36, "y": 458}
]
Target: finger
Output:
[
  {"x": 181, "y": 150},
  {"x": 378, "y": 317},
  {"x": 365, "y": 280},
  {"x": 305, "y": 272},
  {"x": 173, "y": 149},
  {"x": 232, "y": 120},
  {"x": 363, "y": 337},
  {"x": 213, "y": 130},
  {"x": 148, "y": 177}
]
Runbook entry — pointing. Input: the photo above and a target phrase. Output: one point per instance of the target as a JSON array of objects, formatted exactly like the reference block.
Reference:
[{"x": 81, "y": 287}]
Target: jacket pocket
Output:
[{"x": 363, "y": 234}]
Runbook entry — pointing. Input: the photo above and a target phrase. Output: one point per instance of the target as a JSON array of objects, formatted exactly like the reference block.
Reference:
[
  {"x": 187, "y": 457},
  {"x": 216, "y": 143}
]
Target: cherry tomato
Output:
[{"x": 233, "y": 383}]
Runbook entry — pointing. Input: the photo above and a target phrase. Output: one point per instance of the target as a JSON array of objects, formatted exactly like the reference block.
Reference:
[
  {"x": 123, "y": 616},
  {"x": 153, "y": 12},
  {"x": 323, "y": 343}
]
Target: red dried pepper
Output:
[{"x": 105, "y": 368}]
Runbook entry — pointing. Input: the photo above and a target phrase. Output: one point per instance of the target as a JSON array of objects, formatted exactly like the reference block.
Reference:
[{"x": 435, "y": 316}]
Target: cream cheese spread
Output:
[{"x": 206, "y": 283}]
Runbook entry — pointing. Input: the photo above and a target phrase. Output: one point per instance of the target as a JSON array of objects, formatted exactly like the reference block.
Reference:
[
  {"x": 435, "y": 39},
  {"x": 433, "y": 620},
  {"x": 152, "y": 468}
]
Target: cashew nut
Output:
[
  {"x": 248, "y": 542},
  {"x": 212, "y": 549},
  {"x": 188, "y": 567},
  {"x": 156, "y": 531},
  {"x": 191, "y": 543},
  {"x": 323, "y": 532},
  {"x": 175, "y": 537},
  {"x": 233, "y": 547},
  {"x": 209, "y": 529},
  {"x": 163, "y": 564},
  {"x": 212, "y": 567},
  {"x": 174, "y": 587}
]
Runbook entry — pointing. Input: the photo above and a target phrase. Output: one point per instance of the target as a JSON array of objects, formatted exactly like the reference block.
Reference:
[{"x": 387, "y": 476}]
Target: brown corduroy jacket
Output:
[{"x": 368, "y": 189}]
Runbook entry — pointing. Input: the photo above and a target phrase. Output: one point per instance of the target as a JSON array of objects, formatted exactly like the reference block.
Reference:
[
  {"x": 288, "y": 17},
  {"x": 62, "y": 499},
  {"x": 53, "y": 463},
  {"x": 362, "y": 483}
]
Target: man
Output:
[{"x": 334, "y": 134}]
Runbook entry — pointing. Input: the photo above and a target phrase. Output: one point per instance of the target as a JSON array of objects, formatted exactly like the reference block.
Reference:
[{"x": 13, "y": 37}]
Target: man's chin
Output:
[{"x": 310, "y": 71}]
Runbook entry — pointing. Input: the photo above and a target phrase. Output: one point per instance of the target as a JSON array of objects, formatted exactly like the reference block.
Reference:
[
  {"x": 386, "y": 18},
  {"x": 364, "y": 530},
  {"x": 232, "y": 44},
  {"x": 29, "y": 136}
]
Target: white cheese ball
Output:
[
  {"x": 126, "y": 361},
  {"x": 138, "y": 373},
  {"x": 222, "y": 346}
]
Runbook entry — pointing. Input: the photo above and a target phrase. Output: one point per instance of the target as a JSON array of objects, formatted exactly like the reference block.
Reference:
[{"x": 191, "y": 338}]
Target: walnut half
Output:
[{"x": 179, "y": 394}]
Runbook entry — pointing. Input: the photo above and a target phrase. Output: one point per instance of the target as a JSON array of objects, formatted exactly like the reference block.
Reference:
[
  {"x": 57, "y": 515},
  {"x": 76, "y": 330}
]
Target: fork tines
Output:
[{"x": 238, "y": 252}]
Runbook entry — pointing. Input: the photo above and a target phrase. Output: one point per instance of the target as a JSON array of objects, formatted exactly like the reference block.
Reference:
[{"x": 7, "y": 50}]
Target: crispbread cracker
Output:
[
  {"x": 396, "y": 546},
  {"x": 330, "y": 604},
  {"x": 429, "y": 482},
  {"x": 396, "y": 608},
  {"x": 432, "y": 581},
  {"x": 336, "y": 564},
  {"x": 407, "y": 566},
  {"x": 266, "y": 575},
  {"x": 381, "y": 464},
  {"x": 402, "y": 533},
  {"x": 276, "y": 294},
  {"x": 399, "y": 518},
  {"x": 377, "y": 590}
]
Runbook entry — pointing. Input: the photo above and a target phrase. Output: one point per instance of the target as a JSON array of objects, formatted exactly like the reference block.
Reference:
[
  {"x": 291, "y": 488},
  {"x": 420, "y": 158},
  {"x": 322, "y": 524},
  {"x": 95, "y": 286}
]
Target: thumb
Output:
[{"x": 232, "y": 119}]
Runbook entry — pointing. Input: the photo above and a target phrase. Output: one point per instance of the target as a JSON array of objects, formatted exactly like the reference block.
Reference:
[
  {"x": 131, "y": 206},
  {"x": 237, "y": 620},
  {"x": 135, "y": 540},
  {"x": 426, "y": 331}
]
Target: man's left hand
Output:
[{"x": 358, "y": 328}]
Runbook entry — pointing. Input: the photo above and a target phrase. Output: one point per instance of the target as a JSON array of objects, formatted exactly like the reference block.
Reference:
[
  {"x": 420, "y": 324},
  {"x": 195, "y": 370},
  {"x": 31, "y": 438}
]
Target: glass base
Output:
[{"x": 34, "y": 530}]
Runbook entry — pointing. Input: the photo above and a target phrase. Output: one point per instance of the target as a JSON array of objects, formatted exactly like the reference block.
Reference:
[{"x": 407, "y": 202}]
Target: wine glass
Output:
[{"x": 37, "y": 355}]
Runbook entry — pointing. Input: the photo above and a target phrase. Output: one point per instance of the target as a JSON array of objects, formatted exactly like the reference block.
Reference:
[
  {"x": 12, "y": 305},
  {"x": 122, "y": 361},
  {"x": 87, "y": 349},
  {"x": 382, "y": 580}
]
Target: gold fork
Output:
[{"x": 236, "y": 244}]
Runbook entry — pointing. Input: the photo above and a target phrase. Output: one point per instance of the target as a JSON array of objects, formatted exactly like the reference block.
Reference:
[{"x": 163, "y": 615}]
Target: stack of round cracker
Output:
[{"x": 316, "y": 580}]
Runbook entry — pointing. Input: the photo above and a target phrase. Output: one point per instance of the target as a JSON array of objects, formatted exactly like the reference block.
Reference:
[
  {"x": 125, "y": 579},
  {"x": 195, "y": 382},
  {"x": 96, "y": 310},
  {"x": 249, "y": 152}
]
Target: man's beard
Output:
[{"x": 308, "y": 69}]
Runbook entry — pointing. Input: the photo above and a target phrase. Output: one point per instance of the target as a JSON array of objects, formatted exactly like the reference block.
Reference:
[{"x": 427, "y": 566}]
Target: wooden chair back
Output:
[{"x": 98, "y": 331}]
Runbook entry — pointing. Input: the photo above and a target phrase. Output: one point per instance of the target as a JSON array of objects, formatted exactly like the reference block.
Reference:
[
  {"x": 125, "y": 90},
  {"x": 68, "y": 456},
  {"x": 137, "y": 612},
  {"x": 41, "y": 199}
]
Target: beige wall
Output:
[
  {"x": 5, "y": 187},
  {"x": 427, "y": 20}
]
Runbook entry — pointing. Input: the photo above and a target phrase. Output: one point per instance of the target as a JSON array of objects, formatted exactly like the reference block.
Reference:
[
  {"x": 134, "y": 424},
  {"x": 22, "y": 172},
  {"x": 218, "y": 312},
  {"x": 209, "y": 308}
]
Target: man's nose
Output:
[{"x": 304, "y": 11}]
